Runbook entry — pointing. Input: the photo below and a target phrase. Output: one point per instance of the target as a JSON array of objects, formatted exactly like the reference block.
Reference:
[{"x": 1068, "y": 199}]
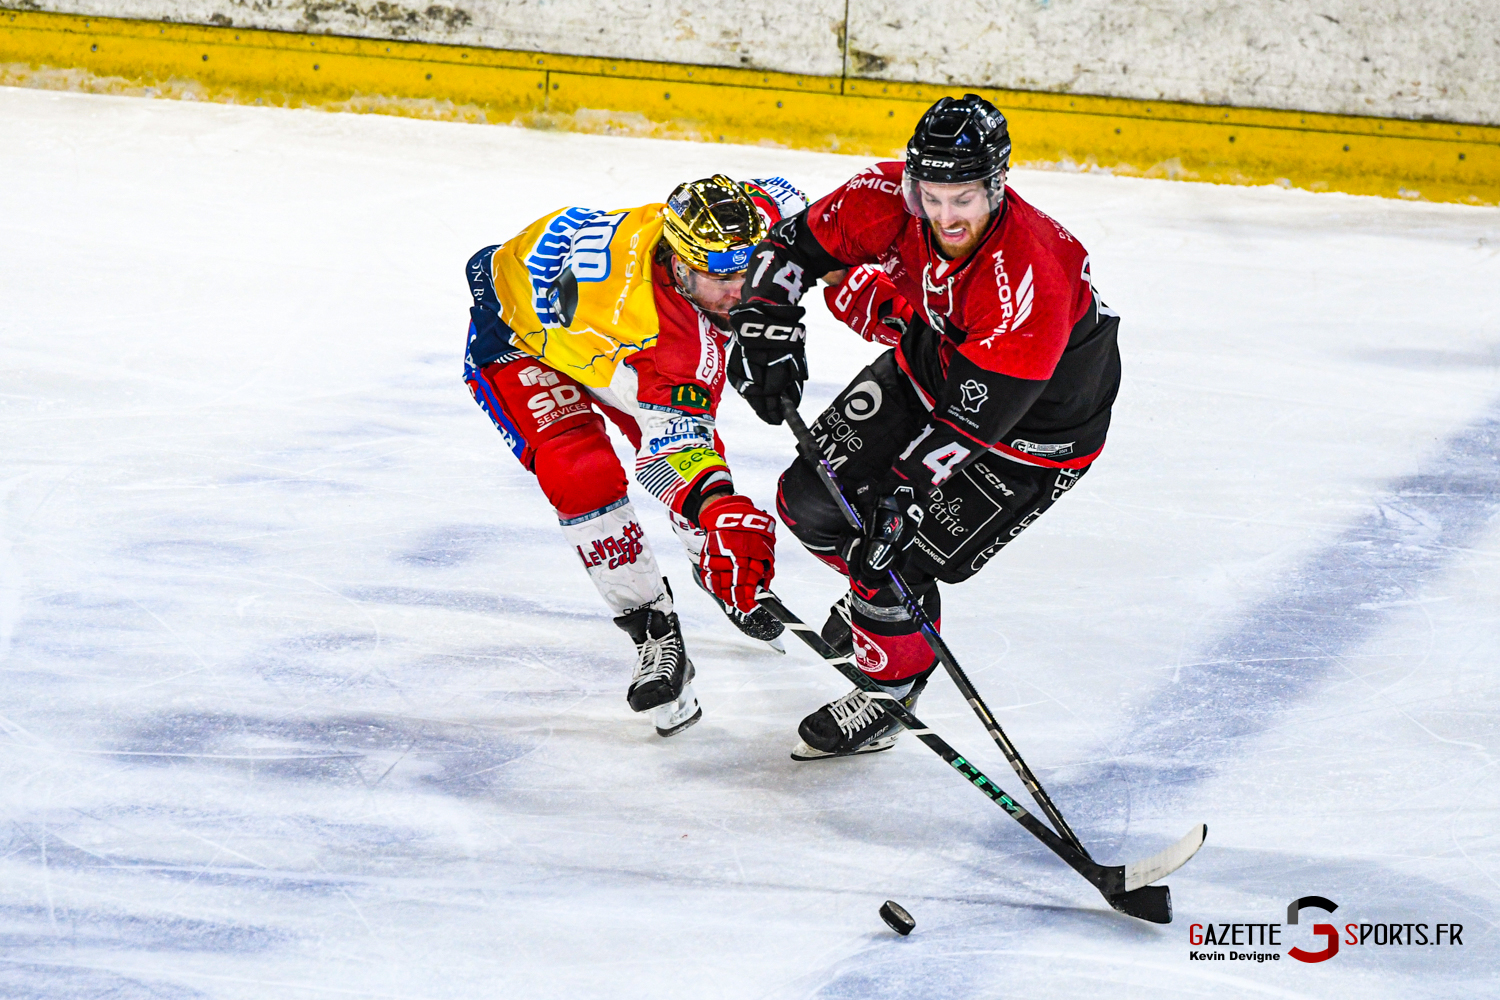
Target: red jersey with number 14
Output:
[{"x": 1022, "y": 304}]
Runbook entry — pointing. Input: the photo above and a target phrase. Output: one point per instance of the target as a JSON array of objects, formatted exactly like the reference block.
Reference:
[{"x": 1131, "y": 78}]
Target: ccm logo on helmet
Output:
[
  {"x": 928, "y": 161},
  {"x": 771, "y": 331},
  {"x": 755, "y": 522}
]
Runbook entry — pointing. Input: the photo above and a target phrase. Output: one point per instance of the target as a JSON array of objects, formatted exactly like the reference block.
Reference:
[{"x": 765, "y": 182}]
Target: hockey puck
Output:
[{"x": 896, "y": 917}]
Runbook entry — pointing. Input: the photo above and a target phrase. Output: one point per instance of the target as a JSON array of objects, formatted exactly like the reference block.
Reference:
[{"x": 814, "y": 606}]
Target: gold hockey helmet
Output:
[{"x": 712, "y": 225}]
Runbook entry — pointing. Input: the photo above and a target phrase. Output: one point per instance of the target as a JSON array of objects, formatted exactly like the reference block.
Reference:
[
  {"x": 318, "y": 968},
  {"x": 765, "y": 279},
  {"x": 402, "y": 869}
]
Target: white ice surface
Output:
[{"x": 303, "y": 696}]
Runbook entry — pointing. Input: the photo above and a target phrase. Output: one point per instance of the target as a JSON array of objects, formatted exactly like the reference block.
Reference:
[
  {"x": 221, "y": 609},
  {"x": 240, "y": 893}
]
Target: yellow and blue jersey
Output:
[
  {"x": 609, "y": 257},
  {"x": 577, "y": 290}
]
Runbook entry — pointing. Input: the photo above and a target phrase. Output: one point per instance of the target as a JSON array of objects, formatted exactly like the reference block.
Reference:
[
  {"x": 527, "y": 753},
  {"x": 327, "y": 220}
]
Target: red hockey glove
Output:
[
  {"x": 740, "y": 555},
  {"x": 867, "y": 302}
]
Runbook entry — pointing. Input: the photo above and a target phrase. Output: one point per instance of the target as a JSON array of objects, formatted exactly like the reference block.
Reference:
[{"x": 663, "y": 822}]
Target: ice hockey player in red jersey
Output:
[
  {"x": 588, "y": 314},
  {"x": 992, "y": 403}
]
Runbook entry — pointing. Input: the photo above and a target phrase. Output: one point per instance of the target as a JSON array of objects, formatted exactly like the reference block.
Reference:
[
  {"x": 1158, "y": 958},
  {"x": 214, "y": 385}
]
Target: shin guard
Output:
[
  {"x": 618, "y": 558},
  {"x": 888, "y": 644}
]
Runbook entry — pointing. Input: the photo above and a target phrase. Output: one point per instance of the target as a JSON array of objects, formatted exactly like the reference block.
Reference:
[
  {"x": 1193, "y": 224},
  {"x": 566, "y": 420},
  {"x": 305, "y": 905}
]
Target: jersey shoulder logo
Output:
[
  {"x": 975, "y": 393},
  {"x": 577, "y": 238},
  {"x": 873, "y": 177}
]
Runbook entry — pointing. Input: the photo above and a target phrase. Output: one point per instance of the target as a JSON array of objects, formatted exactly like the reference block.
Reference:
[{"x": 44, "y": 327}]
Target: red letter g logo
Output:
[{"x": 1329, "y": 933}]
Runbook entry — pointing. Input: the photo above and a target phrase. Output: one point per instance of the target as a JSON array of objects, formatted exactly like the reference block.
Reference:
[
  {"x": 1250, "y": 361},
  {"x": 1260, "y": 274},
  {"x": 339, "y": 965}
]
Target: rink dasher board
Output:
[{"x": 1431, "y": 161}]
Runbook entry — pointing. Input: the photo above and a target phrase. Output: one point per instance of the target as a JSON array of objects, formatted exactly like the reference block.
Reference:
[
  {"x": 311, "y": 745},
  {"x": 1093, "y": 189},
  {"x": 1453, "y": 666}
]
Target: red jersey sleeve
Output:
[
  {"x": 1023, "y": 305},
  {"x": 858, "y": 222}
]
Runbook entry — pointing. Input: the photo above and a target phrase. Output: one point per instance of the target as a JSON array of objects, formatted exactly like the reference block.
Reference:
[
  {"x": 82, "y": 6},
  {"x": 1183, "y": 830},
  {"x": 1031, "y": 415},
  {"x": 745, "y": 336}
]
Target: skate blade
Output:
[
  {"x": 679, "y": 727},
  {"x": 675, "y": 716},
  {"x": 804, "y": 752},
  {"x": 776, "y": 644}
]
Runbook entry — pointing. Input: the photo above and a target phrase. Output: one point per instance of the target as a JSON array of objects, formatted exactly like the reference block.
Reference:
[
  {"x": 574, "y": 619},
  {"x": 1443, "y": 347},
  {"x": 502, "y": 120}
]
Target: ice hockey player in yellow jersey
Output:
[{"x": 587, "y": 314}]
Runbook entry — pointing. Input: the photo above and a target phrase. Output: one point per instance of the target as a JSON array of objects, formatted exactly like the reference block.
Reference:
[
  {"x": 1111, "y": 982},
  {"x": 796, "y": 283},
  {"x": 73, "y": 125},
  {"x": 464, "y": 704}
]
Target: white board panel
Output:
[
  {"x": 1361, "y": 57},
  {"x": 1364, "y": 57}
]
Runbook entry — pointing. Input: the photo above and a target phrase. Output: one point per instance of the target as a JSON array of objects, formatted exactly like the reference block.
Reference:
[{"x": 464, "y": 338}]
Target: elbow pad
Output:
[{"x": 785, "y": 264}]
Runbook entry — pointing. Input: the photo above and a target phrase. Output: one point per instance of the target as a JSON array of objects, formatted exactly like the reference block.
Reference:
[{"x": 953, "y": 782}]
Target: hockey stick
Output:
[
  {"x": 808, "y": 447},
  {"x": 1126, "y": 888}
]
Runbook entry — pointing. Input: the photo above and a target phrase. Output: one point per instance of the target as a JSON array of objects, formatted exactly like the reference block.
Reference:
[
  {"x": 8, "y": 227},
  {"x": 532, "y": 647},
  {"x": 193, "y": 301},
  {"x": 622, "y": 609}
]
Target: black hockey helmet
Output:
[{"x": 958, "y": 141}]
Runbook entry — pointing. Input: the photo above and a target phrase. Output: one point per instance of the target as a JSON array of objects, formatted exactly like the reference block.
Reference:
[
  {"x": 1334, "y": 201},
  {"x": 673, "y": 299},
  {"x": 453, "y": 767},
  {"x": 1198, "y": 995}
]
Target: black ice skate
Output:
[
  {"x": 855, "y": 723},
  {"x": 663, "y": 673},
  {"x": 758, "y": 624}
]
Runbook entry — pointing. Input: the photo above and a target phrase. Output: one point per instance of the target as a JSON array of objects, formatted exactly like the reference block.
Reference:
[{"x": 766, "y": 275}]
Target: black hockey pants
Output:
[{"x": 969, "y": 518}]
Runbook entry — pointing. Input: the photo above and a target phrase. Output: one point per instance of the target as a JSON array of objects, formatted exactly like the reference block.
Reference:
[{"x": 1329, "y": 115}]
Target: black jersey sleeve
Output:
[{"x": 786, "y": 263}]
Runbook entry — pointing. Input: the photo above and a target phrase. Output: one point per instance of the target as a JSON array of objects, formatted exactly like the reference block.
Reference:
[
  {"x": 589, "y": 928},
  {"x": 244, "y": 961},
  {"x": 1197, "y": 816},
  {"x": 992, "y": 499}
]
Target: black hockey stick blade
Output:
[{"x": 1150, "y": 902}]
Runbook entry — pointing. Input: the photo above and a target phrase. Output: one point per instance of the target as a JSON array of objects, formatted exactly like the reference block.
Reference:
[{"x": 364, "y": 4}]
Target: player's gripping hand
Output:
[
  {"x": 895, "y": 504},
  {"x": 739, "y": 557},
  {"x": 769, "y": 356},
  {"x": 866, "y": 301},
  {"x": 890, "y": 529}
]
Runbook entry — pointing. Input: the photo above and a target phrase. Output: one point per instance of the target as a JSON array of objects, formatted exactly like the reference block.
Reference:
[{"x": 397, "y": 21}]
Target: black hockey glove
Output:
[
  {"x": 893, "y": 506},
  {"x": 769, "y": 357},
  {"x": 891, "y": 525}
]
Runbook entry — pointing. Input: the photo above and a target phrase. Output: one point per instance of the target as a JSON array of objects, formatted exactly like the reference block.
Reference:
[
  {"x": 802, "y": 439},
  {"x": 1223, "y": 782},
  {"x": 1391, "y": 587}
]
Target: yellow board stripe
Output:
[{"x": 1433, "y": 161}]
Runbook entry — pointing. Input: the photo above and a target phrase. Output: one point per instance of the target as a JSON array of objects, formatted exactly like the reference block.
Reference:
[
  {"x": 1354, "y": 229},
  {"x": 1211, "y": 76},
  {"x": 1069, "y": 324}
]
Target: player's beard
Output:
[
  {"x": 717, "y": 317},
  {"x": 973, "y": 233}
]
